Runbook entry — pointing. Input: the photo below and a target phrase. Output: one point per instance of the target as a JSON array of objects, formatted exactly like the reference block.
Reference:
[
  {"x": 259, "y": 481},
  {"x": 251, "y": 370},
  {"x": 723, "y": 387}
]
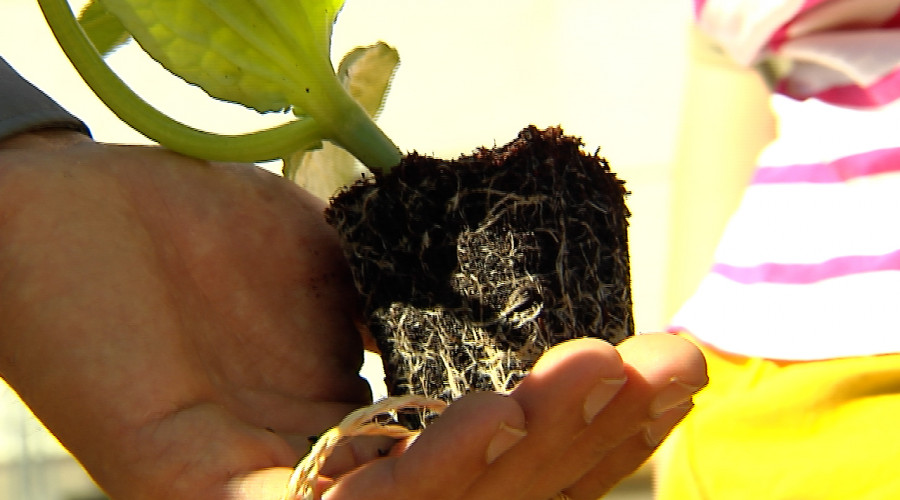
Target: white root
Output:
[{"x": 362, "y": 422}]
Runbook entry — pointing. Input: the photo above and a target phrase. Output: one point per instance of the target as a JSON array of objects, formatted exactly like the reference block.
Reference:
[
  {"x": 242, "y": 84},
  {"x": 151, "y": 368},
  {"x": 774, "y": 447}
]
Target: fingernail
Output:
[
  {"x": 674, "y": 394},
  {"x": 653, "y": 437},
  {"x": 505, "y": 439},
  {"x": 600, "y": 396},
  {"x": 656, "y": 431}
]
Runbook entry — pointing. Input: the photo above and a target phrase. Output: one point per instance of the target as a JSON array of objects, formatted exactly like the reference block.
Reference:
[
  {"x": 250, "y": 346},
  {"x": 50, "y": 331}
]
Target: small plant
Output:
[
  {"x": 469, "y": 269},
  {"x": 268, "y": 55}
]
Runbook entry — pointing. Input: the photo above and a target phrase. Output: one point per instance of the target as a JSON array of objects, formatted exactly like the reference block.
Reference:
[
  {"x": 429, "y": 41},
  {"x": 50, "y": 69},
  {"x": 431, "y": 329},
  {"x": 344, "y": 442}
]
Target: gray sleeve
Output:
[{"x": 23, "y": 107}]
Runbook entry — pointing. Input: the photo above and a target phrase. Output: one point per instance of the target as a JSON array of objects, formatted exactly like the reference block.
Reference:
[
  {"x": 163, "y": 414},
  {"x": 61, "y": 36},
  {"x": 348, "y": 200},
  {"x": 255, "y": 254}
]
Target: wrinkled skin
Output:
[{"x": 183, "y": 327}]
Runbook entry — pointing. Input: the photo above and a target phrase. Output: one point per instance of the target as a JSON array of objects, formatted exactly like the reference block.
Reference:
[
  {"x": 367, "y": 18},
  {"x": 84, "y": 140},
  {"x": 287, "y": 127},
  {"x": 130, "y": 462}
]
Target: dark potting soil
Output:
[{"x": 470, "y": 269}]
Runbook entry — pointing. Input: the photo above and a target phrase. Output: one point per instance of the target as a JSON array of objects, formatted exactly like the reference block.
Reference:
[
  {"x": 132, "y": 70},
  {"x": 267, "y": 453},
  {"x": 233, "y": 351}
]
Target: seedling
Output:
[
  {"x": 268, "y": 55},
  {"x": 470, "y": 269}
]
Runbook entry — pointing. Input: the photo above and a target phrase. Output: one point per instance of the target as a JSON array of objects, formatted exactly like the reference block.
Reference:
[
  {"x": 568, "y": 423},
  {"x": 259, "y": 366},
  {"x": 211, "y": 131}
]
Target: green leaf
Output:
[
  {"x": 104, "y": 29},
  {"x": 324, "y": 171},
  {"x": 366, "y": 72},
  {"x": 265, "y": 54}
]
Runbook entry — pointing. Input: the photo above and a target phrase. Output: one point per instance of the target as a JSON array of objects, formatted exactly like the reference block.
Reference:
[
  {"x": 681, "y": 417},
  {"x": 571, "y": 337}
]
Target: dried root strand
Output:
[{"x": 362, "y": 422}]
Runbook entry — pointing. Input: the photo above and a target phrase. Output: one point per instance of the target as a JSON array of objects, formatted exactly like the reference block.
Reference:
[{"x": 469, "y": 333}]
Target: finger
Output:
[
  {"x": 357, "y": 451},
  {"x": 626, "y": 458},
  {"x": 664, "y": 371},
  {"x": 659, "y": 356},
  {"x": 446, "y": 458},
  {"x": 566, "y": 388}
]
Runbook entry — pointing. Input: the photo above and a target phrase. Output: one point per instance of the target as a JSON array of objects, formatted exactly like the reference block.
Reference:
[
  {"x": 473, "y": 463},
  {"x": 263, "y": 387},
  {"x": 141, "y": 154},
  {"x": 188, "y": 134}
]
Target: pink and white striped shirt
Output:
[{"x": 809, "y": 265}]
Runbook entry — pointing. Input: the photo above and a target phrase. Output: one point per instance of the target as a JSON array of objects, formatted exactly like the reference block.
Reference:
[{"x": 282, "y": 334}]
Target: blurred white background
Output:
[{"x": 472, "y": 73}]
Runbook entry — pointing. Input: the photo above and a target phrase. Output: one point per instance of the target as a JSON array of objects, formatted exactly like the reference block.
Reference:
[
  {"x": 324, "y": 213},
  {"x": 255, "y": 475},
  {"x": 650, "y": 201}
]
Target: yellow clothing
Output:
[{"x": 779, "y": 430}]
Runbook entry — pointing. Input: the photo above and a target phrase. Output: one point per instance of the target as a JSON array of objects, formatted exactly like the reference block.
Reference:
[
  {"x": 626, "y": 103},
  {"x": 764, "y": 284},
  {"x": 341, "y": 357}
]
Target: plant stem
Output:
[
  {"x": 358, "y": 134},
  {"x": 350, "y": 127}
]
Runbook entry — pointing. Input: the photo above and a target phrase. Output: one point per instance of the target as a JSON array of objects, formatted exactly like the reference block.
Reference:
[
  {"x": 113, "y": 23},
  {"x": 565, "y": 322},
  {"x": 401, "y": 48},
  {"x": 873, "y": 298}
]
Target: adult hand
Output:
[
  {"x": 587, "y": 416},
  {"x": 173, "y": 322},
  {"x": 183, "y": 327}
]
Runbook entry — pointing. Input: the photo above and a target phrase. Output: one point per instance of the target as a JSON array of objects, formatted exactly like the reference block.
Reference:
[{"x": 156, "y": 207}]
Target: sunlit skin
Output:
[{"x": 182, "y": 327}]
